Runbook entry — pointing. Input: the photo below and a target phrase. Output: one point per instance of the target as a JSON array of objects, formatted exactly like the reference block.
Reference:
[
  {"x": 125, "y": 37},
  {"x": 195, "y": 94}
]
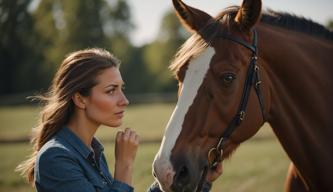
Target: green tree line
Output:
[{"x": 35, "y": 39}]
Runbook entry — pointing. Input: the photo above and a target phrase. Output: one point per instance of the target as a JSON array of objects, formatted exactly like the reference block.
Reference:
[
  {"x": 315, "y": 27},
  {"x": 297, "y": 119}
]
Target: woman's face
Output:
[{"x": 106, "y": 103}]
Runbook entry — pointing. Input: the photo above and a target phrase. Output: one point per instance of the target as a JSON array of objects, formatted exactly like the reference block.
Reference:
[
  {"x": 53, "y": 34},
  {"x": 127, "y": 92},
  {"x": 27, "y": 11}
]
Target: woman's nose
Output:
[{"x": 123, "y": 101}]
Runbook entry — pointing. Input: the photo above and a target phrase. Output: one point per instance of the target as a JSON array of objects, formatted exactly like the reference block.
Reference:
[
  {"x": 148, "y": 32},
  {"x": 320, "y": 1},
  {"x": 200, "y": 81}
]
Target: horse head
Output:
[{"x": 220, "y": 98}]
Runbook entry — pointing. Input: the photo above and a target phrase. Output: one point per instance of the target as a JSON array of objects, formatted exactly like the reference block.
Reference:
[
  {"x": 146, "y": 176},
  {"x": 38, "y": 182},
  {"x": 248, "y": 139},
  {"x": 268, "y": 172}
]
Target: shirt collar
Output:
[{"x": 78, "y": 144}]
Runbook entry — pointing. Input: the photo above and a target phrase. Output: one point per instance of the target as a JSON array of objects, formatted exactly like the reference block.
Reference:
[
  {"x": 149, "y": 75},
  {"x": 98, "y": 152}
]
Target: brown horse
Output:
[{"x": 235, "y": 73}]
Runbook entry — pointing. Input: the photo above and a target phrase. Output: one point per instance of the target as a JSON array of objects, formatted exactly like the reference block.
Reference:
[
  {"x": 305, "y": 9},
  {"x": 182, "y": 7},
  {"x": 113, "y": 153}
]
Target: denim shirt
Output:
[{"x": 65, "y": 163}]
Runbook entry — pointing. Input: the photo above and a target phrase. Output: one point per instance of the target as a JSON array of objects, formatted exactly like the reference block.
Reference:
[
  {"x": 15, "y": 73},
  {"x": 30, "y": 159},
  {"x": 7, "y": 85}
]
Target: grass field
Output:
[{"x": 258, "y": 165}]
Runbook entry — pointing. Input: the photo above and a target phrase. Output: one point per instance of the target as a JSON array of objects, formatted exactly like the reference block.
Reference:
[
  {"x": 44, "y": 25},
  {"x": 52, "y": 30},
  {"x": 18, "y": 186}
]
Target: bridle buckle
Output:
[{"x": 242, "y": 115}]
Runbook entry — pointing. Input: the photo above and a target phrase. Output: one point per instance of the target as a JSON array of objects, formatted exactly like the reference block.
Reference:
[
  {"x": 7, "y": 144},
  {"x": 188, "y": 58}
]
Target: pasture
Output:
[{"x": 258, "y": 165}]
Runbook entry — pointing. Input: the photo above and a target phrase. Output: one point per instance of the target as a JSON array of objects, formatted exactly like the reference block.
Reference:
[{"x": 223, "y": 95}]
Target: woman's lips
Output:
[{"x": 120, "y": 114}]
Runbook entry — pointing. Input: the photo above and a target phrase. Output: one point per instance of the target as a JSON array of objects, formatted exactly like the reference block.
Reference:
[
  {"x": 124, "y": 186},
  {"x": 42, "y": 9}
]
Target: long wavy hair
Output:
[{"x": 76, "y": 74}]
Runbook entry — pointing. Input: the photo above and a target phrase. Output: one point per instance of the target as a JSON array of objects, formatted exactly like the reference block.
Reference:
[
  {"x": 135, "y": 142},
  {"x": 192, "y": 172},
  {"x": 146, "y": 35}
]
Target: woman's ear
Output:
[{"x": 79, "y": 101}]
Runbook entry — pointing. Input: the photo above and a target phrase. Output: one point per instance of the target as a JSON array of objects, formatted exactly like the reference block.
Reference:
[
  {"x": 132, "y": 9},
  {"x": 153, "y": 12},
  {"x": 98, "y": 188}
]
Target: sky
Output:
[{"x": 147, "y": 14}]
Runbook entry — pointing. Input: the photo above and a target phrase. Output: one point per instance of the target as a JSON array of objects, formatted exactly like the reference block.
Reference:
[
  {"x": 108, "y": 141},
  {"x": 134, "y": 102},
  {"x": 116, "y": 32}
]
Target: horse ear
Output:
[
  {"x": 248, "y": 14},
  {"x": 192, "y": 19}
]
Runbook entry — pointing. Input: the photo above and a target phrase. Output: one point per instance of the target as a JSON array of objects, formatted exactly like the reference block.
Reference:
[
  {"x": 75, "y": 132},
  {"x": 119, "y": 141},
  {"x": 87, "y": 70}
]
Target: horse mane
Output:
[
  {"x": 190, "y": 49},
  {"x": 196, "y": 43},
  {"x": 295, "y": 23}
]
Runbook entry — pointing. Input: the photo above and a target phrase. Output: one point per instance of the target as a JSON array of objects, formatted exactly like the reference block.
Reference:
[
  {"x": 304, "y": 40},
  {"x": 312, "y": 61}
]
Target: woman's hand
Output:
[
  {"x": 214, "y": 173},
  {"x": 126, "y": 146}
]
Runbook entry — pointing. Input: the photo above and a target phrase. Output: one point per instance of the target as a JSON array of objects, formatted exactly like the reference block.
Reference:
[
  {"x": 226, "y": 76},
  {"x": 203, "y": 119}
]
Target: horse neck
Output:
[{"x": 298, "y": 70}]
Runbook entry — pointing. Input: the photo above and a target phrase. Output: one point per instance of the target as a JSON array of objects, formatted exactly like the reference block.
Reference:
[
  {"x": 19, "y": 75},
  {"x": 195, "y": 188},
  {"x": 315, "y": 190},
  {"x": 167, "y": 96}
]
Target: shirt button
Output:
[{"x": 104, "y": 182}]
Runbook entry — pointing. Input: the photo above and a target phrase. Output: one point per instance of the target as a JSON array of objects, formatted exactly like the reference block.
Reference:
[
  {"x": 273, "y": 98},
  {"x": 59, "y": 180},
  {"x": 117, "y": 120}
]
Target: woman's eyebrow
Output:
[
  {"x": 114, "y": 85},
  {"x": 111, "y": 85}
]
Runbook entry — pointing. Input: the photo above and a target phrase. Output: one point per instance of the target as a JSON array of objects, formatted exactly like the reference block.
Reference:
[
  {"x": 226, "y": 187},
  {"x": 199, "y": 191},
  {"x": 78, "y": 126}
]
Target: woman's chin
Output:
[{"x": 114, "y": 123}]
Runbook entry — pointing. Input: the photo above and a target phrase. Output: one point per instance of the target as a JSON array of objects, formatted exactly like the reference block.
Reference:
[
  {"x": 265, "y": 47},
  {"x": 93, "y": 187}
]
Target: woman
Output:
[{"x": 86, "y": 92}]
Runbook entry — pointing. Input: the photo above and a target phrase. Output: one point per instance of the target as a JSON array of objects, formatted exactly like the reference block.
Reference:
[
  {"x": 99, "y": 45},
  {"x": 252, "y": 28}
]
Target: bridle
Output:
[{"x": 252, "y": 79}]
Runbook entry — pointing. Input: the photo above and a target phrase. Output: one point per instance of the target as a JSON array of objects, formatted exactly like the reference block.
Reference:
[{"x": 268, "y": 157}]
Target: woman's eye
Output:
[
  {"x": 228, "y": 78},
  {"x": 111, "y": 91}
]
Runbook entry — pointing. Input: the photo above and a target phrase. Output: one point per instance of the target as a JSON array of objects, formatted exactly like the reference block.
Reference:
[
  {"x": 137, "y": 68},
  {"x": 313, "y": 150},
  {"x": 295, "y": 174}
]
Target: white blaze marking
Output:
[{"x": 194, "y": 77}]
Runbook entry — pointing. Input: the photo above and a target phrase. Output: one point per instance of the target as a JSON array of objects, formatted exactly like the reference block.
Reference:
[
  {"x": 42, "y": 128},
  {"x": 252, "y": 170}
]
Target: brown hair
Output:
[{"x": 76, "y": 74}]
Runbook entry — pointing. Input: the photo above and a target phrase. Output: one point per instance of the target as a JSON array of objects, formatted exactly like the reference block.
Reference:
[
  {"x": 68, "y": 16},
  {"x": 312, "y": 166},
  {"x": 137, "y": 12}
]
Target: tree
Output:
[
  {"x": 330, "y": 25},
  {"x": 17, "y": 56},
  {"x": 159, "y": 53},
  {"x": 66, "y": 26},
  {"x": 34, "y": 42}
]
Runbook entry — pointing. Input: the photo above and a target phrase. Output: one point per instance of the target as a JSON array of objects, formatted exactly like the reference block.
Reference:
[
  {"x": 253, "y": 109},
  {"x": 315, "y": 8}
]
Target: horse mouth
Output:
[
  {"x": 194, "y": 188},
  {"x": 191, "y": 186}
]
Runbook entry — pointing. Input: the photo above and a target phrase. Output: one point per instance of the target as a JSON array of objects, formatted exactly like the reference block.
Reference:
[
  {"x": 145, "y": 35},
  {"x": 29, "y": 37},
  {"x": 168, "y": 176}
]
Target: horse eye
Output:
[{"x": 228, "y": 78}]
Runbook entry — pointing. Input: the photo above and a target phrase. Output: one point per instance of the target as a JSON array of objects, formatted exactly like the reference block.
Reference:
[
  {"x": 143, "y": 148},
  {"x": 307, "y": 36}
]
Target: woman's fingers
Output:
[
  {"x": 128, "y": 135},
  {"x": 119, "y": 136},
  {"x": 136, "y": 139},
  {"x": 215, "y": 172},
  {"x": 127, "y": 143},
  {"x": 219, "y": 169},
  {"x": 132, "y": 135}
]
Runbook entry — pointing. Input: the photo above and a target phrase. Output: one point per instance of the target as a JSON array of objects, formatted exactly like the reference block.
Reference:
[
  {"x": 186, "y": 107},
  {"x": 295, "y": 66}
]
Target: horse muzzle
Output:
[{"x": 179, "y": 174}]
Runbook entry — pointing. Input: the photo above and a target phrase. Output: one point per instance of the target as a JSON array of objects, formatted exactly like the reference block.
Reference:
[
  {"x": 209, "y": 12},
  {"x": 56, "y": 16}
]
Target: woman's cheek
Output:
[
  {"x": 106, "y": 104},
  {"x": 102, "y": 107}
]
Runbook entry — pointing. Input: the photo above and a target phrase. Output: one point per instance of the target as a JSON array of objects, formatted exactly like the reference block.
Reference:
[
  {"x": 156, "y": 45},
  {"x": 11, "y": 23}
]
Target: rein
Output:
[{"x": 252, "y": 79}]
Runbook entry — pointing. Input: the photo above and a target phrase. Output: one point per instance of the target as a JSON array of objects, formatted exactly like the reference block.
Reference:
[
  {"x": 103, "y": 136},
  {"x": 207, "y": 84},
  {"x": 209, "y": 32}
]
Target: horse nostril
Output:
[{"x": 182, "y": 177}]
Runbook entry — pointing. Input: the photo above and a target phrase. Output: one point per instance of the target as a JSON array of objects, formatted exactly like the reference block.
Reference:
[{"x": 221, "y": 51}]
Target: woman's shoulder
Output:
[
  {"x": 53, "y": 149},
  {"x": 56, "y": 162}
]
